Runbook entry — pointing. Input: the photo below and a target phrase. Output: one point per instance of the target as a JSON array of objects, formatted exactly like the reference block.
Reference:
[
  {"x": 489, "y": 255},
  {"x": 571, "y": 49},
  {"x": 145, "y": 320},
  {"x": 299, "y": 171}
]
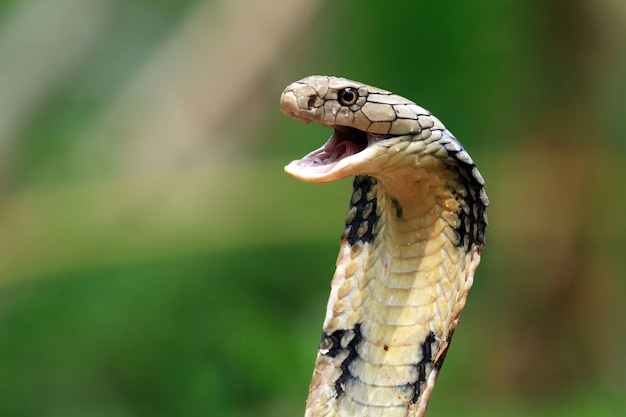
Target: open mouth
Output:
[
  {"x": 336, "y": 158},
  {"x": 345, "y": 142}
]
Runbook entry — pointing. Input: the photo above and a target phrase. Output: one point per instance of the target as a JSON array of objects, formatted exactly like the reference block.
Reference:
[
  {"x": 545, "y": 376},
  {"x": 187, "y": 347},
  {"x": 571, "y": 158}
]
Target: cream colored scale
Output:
[{"x": 412, "y": 243}]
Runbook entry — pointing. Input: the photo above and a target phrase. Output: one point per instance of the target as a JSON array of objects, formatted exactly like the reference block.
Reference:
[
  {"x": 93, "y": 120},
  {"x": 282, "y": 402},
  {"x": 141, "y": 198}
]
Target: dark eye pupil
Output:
[{"x": 348, "y": 97}]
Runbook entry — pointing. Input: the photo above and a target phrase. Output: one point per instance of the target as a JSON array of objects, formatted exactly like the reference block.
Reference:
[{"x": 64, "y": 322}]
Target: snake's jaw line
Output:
[{"x": 411, "y": 246}]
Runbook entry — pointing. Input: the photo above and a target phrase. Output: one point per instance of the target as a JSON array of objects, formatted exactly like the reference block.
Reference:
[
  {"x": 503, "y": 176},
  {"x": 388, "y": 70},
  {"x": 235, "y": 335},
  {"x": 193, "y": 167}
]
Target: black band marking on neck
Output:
[
  {"x": 361, "y": 224},
  {"x": 472, "y": 217},
  {"x": 338, "y": 342},
  {"x": 424, "y": 366},
  {"x": 398, "y": 207}
]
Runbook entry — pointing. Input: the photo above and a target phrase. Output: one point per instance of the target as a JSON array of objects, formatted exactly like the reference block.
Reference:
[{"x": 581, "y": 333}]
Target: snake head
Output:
[{"x": 363, "y": 118}]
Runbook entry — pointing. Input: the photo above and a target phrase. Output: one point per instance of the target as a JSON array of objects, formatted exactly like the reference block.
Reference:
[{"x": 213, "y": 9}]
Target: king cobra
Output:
[{"x": 412, "y": 242}]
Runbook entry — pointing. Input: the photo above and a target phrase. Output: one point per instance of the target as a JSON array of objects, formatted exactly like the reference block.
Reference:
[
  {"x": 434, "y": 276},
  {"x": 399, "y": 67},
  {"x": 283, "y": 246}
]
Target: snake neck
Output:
[{"x": 407, "y": 258}]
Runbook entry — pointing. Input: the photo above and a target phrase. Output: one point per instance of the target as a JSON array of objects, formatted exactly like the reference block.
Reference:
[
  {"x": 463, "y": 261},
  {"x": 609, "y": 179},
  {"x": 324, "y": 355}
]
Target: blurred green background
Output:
[{"x": 156, "y": 261}]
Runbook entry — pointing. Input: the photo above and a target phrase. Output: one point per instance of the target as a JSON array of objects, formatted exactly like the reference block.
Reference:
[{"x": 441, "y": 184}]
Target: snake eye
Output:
[{"x": 348, "y": 96}]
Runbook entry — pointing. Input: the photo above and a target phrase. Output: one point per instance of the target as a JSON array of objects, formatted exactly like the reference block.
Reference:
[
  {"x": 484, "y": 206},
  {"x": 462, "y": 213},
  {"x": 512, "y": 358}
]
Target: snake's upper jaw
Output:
[{"x": 337, "y": 158}]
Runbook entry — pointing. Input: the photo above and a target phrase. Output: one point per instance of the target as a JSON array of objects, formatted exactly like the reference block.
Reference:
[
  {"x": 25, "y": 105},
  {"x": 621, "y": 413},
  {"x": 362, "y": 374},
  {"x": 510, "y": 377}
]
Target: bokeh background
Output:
[{"x": 156, "y": 261}]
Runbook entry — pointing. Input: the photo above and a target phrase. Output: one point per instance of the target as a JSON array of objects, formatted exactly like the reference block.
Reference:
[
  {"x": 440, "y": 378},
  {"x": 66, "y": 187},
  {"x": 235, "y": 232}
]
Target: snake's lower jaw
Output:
[
  {"x": 311, "y": 171},
  {"x": 338, "y": 158}
]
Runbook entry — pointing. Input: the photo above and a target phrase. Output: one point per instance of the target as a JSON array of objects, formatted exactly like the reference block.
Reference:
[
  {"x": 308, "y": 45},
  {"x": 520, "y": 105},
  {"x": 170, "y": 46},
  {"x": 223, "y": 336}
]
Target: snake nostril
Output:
[{"x": 311, "y": 103}]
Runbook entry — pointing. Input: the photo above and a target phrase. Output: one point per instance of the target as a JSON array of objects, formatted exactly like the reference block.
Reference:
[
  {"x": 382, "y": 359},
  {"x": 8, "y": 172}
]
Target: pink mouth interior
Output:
[{"x": 344, "y": 143}]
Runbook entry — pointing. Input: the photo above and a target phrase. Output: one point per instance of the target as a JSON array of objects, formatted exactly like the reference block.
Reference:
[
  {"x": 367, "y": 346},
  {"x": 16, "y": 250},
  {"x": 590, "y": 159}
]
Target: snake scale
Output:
[{"x": 411, "y": 245}]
